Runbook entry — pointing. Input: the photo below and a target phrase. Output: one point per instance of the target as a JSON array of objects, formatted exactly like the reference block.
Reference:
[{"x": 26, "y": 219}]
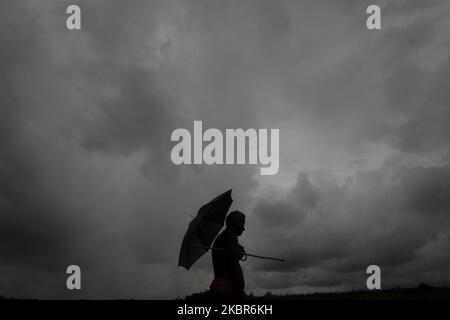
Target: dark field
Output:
[{"x": 422, "y": 292}]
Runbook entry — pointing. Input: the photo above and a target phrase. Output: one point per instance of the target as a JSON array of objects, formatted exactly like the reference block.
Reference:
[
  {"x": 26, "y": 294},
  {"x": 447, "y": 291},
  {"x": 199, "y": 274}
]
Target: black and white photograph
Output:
[{"x": 224, "y": 151}]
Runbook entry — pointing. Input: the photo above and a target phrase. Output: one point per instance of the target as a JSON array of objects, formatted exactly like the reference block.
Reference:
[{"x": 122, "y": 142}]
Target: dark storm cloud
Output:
[
  {"x": 135, "y": 120},
  {"x": 427, "y": 190},
  {"x": 387, "y": 222},
  {"x": 21, "y": 234},
  {"x": 140, "y": 109},
  {"x": 86, "y": 117},
  {"x": 417, "y": 65},
  {"x": 56, "y": 201},
  {"x": 287, "y": 214}
]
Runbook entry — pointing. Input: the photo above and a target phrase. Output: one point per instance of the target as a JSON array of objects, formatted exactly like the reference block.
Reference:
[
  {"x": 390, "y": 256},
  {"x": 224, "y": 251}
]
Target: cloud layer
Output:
[{"x": 86, "y": 118}]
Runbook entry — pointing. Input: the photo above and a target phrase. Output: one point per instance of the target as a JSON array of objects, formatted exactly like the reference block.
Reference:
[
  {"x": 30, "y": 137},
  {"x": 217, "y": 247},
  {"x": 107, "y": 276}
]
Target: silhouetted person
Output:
[{"x": 228, "y": 280}]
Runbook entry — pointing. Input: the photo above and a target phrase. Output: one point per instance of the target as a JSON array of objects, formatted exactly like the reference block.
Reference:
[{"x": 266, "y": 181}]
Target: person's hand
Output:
[{"x": 242, "y": 256}]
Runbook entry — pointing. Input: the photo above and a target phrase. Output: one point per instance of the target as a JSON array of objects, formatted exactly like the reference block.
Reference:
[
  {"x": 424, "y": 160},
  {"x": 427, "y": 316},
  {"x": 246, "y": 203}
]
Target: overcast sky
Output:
[{"x": 86, "y": 117}]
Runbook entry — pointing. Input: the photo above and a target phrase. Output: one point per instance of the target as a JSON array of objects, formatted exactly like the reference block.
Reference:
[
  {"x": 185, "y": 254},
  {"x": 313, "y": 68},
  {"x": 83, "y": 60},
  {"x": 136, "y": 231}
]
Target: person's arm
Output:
[
  {"x": 236, "y": 275},
  {"x": 242, "y": 255}
]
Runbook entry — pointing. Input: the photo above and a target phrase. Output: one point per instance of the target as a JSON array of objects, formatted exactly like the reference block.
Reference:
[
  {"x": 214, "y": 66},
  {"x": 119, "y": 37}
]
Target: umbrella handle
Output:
[{"x": 245, "y": 253}]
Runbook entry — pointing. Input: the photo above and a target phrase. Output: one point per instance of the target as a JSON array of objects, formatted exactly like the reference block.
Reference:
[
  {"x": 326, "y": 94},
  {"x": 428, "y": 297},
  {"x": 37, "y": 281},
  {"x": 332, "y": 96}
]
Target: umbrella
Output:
[{"x": 203, "y": 229}]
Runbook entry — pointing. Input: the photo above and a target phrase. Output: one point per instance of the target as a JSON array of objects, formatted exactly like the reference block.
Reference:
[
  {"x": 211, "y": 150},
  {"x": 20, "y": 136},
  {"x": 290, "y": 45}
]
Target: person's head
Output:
[{"x": 235, "y": 222}]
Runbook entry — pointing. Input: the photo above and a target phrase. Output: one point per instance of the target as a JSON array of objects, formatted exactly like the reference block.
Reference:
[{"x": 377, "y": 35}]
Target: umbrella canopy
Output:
[{"x": 203, "y": 229}]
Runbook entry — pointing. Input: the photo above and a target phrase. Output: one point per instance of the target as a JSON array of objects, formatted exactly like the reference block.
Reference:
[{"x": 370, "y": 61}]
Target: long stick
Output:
[{"x": 248, "y": 254}]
